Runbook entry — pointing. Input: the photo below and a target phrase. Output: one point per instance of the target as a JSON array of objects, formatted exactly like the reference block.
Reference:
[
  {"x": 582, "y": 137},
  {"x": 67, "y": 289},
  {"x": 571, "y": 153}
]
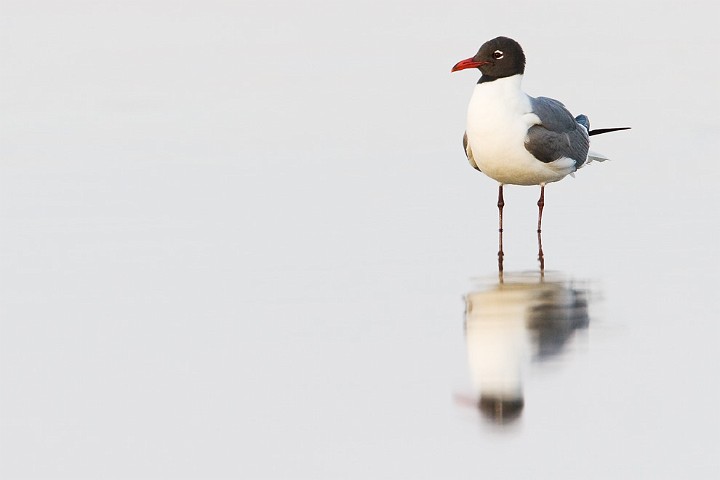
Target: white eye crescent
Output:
[{"x": 498, "y": 54}]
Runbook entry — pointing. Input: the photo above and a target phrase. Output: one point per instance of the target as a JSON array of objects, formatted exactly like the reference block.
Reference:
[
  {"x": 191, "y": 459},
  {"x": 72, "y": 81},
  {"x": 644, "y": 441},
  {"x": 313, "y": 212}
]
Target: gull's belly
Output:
[{"x": 500, "y": 153}]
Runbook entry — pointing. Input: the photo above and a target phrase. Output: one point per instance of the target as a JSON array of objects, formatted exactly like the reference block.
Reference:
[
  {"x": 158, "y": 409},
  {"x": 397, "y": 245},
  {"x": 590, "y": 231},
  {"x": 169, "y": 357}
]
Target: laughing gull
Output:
[{"x": 516, "y": 139}]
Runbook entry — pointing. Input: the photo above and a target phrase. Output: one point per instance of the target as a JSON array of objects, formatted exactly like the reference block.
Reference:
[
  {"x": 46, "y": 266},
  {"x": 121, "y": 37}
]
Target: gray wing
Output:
[
  {"x": 558, "y": 135},
  {"x": 468, "y": 152}
]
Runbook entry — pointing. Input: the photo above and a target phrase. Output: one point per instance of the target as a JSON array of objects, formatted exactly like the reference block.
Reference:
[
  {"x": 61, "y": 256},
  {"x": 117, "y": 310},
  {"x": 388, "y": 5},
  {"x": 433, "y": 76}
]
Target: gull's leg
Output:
[
  {"x": 500, "y": 204},
  {"x": 541, "y": 204}
]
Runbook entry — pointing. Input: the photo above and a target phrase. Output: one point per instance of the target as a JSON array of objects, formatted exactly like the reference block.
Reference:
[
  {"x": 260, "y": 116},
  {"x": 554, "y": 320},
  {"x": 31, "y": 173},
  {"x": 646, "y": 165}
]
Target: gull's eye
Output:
[{"x": 498, "y": 54}]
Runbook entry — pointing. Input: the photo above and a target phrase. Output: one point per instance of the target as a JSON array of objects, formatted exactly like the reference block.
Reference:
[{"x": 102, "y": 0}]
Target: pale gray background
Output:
[{"x": 235, "y": 238}]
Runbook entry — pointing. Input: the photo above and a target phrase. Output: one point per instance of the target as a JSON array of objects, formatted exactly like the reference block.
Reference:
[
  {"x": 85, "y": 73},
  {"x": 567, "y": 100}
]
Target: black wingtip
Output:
[{"x": 599, "y": 131}]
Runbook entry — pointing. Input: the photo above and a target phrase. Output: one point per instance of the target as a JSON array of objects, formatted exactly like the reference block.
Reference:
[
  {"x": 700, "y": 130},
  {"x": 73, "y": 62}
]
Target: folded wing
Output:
[{"x": 557, "y": 135}]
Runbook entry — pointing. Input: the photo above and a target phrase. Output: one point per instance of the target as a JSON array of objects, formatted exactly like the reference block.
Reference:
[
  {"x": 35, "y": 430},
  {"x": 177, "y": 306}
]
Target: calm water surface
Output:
[{"x": 242, "y": 241}]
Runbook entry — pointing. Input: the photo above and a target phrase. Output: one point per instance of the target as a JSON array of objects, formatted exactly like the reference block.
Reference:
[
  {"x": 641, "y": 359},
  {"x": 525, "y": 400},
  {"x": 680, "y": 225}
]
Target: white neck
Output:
[
  {"x": 497, "y": 98},
  {"x": 510, "y": 83}
]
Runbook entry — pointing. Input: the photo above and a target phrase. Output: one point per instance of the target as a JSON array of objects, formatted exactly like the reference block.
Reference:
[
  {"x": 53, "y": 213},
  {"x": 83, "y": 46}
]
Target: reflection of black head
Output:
[{"x": 501, "y": 410}]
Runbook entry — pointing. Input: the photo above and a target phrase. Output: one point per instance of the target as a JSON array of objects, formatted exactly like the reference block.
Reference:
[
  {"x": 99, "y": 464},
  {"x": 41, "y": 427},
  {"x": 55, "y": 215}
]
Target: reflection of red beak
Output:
[
  {"x": 467, "y": 63},
  {"x": 465, "y": 400}
]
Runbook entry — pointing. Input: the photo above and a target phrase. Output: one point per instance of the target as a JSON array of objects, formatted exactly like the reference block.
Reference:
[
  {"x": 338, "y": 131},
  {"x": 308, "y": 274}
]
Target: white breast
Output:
[{"x": 498, "y": 119}]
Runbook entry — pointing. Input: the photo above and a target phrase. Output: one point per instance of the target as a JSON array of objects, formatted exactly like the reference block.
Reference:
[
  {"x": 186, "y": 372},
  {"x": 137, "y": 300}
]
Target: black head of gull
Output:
[{"x": 497, "y": 58}]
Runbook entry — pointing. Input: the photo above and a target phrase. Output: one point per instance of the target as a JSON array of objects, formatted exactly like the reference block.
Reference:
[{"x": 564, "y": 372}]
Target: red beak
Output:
[{"x": 467, "y": 63}]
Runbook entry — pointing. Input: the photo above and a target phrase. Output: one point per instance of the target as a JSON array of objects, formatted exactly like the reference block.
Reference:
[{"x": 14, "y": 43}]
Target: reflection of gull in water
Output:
[{"x": 508, "y": 324}]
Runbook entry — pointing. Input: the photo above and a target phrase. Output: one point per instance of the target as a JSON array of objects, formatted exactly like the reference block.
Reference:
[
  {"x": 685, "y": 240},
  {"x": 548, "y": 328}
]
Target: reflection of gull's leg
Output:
[
  {"x": 541, "y": 204},
  {"x": 500, "y": 204},
  {"x": 541, "y": 257}
]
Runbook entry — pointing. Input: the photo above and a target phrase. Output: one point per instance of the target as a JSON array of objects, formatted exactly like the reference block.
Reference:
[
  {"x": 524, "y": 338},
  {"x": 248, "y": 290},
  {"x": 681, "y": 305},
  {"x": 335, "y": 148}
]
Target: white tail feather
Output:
[{"x": 595, "y": 157}]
